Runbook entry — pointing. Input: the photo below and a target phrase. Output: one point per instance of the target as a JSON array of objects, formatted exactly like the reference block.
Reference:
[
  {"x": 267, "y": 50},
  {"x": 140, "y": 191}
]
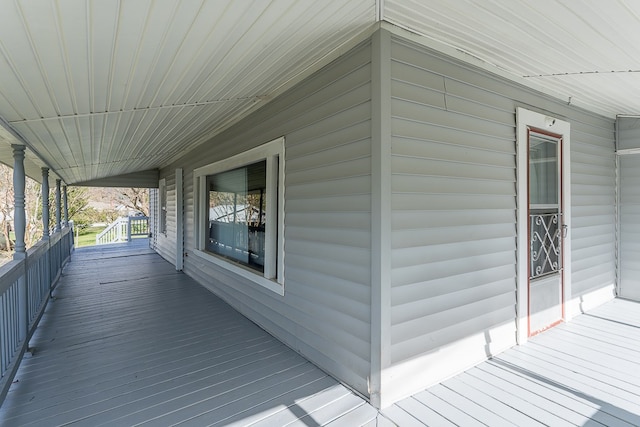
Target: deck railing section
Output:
[
  {"x": 25, "y": 287},
  {"x": 124, "y": 229}
]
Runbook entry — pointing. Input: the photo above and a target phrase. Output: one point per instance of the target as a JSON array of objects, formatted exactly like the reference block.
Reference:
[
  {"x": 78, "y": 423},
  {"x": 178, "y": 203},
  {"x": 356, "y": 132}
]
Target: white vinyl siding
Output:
[
  {"x": 454, "y": 211},
  {"x": 325, "y": 311},
  {"x": 593, "y": 200},
  {"x": 629, "y": 249}
]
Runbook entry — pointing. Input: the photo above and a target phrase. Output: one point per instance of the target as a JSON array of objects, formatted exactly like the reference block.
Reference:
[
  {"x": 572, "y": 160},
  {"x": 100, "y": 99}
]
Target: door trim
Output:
[{"x": 526, "y": 120}]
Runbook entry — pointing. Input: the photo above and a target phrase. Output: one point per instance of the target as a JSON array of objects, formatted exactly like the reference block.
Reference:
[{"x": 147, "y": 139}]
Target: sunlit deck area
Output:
[
  {"x": 583, "y": 373},
  {"x": 127, "y": 340}
]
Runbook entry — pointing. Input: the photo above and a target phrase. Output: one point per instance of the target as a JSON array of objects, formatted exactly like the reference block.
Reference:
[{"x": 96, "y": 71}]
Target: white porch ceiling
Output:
[{"x": 100, "y": 88}]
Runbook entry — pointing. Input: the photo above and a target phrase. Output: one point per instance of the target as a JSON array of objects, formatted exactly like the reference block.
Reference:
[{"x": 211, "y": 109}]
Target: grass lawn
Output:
[{"x": 87, "y": 237}]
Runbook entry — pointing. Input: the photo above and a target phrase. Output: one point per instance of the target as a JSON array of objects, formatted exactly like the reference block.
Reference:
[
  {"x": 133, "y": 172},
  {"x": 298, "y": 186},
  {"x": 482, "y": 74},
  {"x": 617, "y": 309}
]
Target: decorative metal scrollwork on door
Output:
[{"x": 546, "y": 235}]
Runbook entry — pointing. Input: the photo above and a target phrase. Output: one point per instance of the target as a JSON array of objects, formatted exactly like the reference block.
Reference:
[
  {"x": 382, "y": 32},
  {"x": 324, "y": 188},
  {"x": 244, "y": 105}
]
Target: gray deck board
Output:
[
  {"x": 127, "y": 340},
  {"x": 584, "y": 373}
]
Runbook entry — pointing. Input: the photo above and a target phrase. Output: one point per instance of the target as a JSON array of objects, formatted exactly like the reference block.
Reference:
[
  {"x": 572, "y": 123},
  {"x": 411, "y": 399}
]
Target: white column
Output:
[
  {"x": 58, "y": 207},
  {"x": 66, "y": 206},
  {"x": 45, "y": 203},
  {"x": 19, "y": 216}
]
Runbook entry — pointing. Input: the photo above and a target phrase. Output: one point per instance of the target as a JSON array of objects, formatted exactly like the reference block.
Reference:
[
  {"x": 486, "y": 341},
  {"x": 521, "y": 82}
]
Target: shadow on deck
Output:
[{"x": 128, "y": 340}]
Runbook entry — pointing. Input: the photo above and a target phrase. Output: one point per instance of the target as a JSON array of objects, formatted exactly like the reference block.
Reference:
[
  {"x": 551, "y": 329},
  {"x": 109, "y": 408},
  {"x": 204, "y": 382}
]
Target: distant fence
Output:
[
  {"x": 25, "y": 287},
  {"x": 124, "y": 229}
]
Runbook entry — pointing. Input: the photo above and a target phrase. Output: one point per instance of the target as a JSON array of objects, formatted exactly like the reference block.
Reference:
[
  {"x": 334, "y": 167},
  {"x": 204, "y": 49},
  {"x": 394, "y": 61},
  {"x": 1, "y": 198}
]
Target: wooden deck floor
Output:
[
  {"x": 584, "y": 373},
  {"x": 128, "y": 341}
]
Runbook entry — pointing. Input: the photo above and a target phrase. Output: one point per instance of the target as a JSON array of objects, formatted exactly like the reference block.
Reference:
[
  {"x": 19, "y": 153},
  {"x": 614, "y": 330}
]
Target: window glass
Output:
[{"x": 237, "y": 206}]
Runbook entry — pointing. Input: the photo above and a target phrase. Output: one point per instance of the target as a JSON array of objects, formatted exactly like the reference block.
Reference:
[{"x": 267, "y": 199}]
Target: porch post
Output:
[
  {"x": 58, "y": 208},
  {"x": 45, "y": 203},
  {"x": 19, "y": 228},
  {"x": 19, "y": 218},
  {"x": 66, "y": 206}
]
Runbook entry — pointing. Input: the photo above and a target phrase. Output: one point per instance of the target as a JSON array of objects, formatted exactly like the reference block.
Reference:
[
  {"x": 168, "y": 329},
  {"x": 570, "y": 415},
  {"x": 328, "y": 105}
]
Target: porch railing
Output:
[
  {"x": 25, "y": 288},
  {"x": 123, "y": 229}
]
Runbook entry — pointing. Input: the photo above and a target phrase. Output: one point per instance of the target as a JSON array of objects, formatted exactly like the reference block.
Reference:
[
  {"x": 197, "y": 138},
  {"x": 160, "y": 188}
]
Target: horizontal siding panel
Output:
[
  {"x": 417, "y": 94},
  {"x": 463, "y": 137},
  {"x": 417, "y": 255},
  {"x": 447, "y": 185},
  {"x": 442, "y": 319},
  {"x": 347, "y": 331},
  {"x": 426, "y": 114},
  {"x": 588, "y": 201},
  {"x": 353, "y": 203},
  {"x": 353, "y": 310},
  {"x": 478, "y": 110},
  {"x": 403, "y": 72},
  {"x": 482, "y": 265},
  {"x": 339, "y": 107},
  {"x": 342, "y": 153},
  {"x": 330, "y": 139},
  {"x": 340, "y": 269},
  {"x": 311, "y": 247},
  {"x": 592, "y": 220},
  {"x": 406, "y": 220},
  {"x": 592, "y": 169},
  {"x": 334, "y": 171},
  {"x": 350, "y": 291},
  {"x": 338, "y": 221},
  {"x": 441, "y": 288},
  {"x": 347, "y": 186},
  {"x": 482, "y": 315},
  {"x": 451, "y": 202},
  {"x": 600, "y": 241},
  {"x": 416, "y": 309},
  {"x": 427, "y": 149},
  {"x": 460, "y": 169},
  {"x": 485, "y": 99},
  {"x": 357, "y": 114},
  {"x": 454, "y": 234}
]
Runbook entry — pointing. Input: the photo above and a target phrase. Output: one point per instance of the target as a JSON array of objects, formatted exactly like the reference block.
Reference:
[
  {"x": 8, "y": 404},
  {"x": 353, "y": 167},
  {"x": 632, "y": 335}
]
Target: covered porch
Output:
[{"x": 127, "y": 340}]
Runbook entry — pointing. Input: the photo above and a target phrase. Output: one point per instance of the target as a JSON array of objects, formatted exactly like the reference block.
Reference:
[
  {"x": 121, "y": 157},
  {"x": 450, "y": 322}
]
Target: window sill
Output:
[{"x": 242, "y": 272}]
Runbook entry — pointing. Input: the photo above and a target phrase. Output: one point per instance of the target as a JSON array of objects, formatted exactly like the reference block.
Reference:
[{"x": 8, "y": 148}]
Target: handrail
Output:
[
  {"x": 25, "y": 289},
  {"x": 123, "y": 229}
]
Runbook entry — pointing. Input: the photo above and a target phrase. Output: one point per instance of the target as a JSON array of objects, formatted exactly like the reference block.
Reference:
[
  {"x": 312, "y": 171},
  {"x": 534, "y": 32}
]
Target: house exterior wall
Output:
[
  {"x": 325, "y": 310},
  {"x": 629, "y": 167},
  {"x": 400, "y": 188},
  {"x": 453, "y": 201}
]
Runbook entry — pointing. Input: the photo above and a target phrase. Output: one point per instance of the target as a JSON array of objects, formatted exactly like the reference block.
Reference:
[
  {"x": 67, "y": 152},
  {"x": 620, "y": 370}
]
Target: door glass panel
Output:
[
  {"x": 543, "y": 171},
  {"x": 545, "y": 221}
]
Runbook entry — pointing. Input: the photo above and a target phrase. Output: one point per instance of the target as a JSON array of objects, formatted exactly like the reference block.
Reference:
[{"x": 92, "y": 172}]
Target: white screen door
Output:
[
  {"x": 543, "y": 215},
  {"x": 545, "y": 231}
]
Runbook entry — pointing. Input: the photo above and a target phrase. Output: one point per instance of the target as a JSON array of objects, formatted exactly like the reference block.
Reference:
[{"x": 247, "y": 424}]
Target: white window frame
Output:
[{"x": 273, "y": 153}]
